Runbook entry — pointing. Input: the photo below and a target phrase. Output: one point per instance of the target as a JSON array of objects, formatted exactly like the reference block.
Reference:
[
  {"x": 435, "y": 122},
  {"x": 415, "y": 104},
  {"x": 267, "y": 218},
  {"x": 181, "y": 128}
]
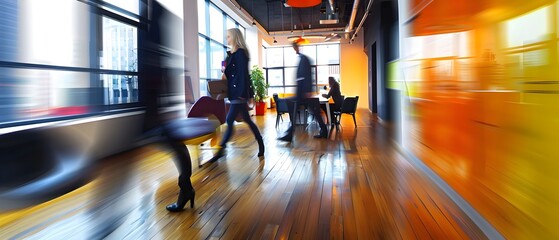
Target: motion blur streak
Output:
[
  {"x": 70, "y": 98},
  {"x": 482, "y": 105}
]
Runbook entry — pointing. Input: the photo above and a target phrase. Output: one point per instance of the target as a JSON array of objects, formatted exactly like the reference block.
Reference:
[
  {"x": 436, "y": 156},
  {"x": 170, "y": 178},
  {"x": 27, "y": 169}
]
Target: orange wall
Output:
[
  {"x": 353, "y": 71},
  {"x": 483, "y": 112}
]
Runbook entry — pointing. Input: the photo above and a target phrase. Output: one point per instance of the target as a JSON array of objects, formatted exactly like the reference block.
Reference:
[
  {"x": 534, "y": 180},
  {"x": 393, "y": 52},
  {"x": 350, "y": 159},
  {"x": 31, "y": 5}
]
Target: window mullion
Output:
[
  {"x": 208, "y": 59},
  {"x": 207, "y": 16}
]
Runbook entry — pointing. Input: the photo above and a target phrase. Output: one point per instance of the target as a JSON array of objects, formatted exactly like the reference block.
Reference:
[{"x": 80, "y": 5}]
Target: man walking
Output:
[{"x": 303, "y": 94}]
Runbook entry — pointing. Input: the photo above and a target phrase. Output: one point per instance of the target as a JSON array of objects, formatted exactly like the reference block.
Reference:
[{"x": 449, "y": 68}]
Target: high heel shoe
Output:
[
  {"x": 184, "y": 197},
  {"x": 260, "y": 147},
  {"x": 323, "y": 134},
  {"x": 287, "y": 138},
  {"x": 220, "y": 153}
]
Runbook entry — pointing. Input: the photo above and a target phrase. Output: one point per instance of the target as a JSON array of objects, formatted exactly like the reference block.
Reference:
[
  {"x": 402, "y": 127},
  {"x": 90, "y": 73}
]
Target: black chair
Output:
[
  {"x": 348, "y": 107},
  {"x": 335, "y": 108},
  {"x": 281, "y": 108}
]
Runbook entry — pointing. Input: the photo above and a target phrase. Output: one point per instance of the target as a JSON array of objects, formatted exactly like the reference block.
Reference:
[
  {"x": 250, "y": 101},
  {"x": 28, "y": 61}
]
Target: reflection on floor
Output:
[{"x": 353, "y": 185}]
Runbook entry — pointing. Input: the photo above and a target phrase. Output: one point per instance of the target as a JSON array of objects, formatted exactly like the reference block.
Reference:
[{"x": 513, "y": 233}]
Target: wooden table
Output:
[{"x": 325, "y": 101}]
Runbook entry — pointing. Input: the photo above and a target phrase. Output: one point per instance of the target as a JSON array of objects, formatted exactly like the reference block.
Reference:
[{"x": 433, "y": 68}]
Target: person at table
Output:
[
  {"x": 336, "y": 95},
  {"x": 303, "y": 93}
]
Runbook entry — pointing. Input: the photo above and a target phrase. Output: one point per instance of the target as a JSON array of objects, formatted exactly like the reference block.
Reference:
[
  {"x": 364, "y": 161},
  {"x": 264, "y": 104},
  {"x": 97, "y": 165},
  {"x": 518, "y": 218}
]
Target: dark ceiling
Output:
[{"x": 269, "y": 14}]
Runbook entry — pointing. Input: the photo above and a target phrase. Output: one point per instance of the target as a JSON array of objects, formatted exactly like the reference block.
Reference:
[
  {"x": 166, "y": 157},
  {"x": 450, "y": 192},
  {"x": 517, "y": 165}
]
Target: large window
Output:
[
  {"x": 202, "y": 47},
  {"x": 66, "y": 58},
  {"x": 533, "y": 27},
  {"x": 212, "y": 42},
  {"x": 281, "y": 66},
  {"x": 202, "y": 25},
  {"x": 274, "y": 57},
  {"x": 530, "y": 44},
  {"x": 325, "y": 54},
  {"x": 120, "y": 46},
  {"x": 217, "y": 54},
  {"x": 216, "y": 24}
]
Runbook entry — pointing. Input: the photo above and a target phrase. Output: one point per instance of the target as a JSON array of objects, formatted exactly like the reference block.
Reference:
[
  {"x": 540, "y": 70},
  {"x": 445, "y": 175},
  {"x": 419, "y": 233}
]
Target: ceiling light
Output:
[
  {"x": 301, "y": 40},
  {"x": 329, "y": 21},
  {"x": 293, "y": 38},
  {"x": 304, "y": 39},
  {"x": 303, "y": 3},
  {"x": 320, "y": 37}
]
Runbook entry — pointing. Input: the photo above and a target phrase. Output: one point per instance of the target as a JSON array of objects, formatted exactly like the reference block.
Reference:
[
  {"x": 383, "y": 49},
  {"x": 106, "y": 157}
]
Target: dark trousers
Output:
[
  {"x": 312, "y": 106},
  {"x": 182, "y": 162},
  {"x": 234, "y": 110}
]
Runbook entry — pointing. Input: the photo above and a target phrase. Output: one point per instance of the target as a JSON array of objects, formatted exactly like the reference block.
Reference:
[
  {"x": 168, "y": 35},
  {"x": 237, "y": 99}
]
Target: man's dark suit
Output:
[
  {"x": 304, "y": 78},
  {"x": 303, "y": 92}
]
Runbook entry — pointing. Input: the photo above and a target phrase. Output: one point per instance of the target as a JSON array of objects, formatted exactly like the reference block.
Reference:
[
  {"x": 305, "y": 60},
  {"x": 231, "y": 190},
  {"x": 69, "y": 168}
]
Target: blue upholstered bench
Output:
[{"x": 40, "y": 164}]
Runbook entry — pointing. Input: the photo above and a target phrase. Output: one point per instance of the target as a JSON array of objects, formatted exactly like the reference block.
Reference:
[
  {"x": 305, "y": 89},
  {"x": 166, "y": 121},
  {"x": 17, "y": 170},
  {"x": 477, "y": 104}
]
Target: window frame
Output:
[
  {"x": 98, "y": 10},
  {"x": 209, "y": 40},
  {"x": 314, "y": 67}
]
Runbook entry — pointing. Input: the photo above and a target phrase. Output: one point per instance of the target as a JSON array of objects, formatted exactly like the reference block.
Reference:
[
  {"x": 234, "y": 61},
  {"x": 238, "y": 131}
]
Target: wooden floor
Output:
[{"x": 355, "y": 185}]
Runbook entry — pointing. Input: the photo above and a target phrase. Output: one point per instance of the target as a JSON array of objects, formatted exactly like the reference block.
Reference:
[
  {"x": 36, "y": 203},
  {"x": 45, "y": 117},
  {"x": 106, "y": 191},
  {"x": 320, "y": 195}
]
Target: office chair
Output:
[
  {"x": 348, "y": 107},
  {"x": 281, "y": 108}
]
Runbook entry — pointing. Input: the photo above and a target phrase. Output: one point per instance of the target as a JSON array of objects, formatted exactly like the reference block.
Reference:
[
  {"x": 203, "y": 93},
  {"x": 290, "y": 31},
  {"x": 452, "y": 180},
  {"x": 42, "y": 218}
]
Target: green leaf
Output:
[{"x": 258, "y": 83}]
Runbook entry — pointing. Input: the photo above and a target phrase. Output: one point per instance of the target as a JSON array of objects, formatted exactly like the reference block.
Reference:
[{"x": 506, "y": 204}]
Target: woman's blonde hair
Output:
[{"x": 238, "y": 40}]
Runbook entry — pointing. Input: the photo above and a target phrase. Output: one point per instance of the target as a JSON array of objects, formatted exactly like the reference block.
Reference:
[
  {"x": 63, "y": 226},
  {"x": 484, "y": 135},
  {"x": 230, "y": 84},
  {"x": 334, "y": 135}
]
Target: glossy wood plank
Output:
[
  {"x": 326, "y": 199},
  {"x": 355, "y": 185}
]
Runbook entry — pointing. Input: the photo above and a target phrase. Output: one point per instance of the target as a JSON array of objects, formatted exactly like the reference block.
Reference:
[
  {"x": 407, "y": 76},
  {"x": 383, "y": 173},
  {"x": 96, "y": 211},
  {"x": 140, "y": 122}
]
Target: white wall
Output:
[
  {"x": 254, "y": 44},
  {"x": 191, "y": 62}
]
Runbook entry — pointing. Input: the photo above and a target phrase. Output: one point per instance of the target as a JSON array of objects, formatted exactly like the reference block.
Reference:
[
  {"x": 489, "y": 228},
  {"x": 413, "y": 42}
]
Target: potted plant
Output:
[{"x": 260, "y": 88}]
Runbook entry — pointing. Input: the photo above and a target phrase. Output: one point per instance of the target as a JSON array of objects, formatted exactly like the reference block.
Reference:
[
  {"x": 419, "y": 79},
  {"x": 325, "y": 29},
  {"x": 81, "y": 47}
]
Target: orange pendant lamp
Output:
[
  {"x": 303, "y": 3},
  {"x": 301, "y": 41}
]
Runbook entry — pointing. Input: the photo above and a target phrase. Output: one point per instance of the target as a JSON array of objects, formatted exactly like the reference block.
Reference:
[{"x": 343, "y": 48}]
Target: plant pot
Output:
[{"x": 260, "y": 108}]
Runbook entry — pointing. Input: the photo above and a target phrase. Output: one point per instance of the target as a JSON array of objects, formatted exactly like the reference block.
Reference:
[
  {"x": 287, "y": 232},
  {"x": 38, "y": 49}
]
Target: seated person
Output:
[{"x": 336, "y": 95}]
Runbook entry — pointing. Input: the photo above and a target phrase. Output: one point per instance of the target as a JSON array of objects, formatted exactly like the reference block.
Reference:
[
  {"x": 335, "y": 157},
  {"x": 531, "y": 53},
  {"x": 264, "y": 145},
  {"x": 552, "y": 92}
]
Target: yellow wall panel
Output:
[{"x": 484, "y": 108}]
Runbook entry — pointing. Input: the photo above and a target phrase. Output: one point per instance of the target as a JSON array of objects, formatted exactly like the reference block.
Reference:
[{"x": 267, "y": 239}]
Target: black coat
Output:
[
  {"x": 304, "y": 77},
  {"x": 238, "y": 78}
]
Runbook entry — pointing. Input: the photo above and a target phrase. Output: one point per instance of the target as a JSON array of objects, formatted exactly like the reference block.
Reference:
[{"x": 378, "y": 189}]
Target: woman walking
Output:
[{"x": 238, "y": 90}]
